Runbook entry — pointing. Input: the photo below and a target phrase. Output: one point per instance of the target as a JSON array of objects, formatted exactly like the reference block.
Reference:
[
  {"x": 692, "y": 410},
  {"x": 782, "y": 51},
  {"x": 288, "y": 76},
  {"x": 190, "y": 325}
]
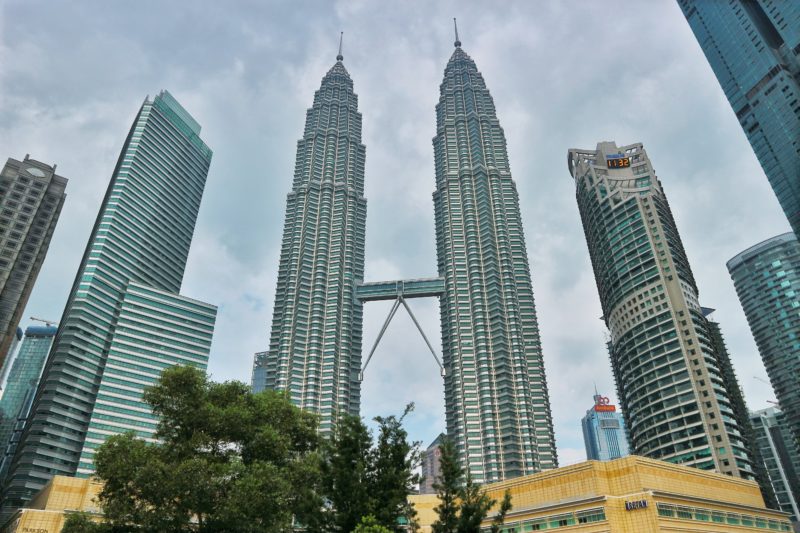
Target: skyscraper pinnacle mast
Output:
[
  {"x": 315, "y": 344},
  {"x": 498, "y": 410}
]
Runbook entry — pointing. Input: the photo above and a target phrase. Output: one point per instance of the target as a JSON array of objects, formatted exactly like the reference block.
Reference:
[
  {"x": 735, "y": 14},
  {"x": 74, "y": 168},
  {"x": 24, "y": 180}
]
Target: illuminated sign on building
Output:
[{"x": 602, "y": 405}]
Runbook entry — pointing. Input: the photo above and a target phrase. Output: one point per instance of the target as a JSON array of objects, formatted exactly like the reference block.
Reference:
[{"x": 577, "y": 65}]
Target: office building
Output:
[
  {"x": 753, "y": 47},
  {"x": 431, "y": 458},
  {"x": 781, "y": 458},
  {"x": 604, "y": 431},
  {"x": 496, "y": 401},
  {"x": 21, "y": 386},
  {"x": 315, "y": 343},
  {"x": 155, "y": 330},
  {"x": 124, "y": 320},
  {"x": 669, "y": 381},
  {"x": 767, "y": 281},
  {"x": 628, "y": 495},
  {"x": 31, "y": 197}
]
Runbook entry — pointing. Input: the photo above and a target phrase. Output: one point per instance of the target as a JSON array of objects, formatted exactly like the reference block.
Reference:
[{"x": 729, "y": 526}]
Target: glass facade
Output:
[
  {"x": 315, "y": 343},
  {"x": 767, "y": 281},
  {"x": 604, "y": 432},
  {"x": 12, "y": 349},
  {"x": 258, "y": 380},
  {"x": 781, "y": 458},
  {"x": 21, "y": 385},
  {"x": 497, "y": 404},
  {"x": 669, "y": 381},
  {"x": 155, "y": 330},
  {"x": 31, "y": 197},
  {"x": 140, "y": 239},
  {"x": 753, "y": 47}
]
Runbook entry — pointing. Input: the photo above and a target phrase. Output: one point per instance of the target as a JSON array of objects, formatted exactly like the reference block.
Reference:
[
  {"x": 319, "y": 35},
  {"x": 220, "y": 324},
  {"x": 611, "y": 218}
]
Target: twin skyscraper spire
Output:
[{"x": 496, "y": 399}]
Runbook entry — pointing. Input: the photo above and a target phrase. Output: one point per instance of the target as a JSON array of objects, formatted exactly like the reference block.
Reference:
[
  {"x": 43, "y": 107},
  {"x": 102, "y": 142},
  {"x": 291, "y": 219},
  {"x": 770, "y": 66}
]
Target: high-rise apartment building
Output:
[
  {"x": 753, "y": 47},
  {"x": 604, "y": 431},
  {"x": 497, "y": 405},
  {"x": 669, "y": 382},
  {"x": 431, "y": 465},
  {"x": 767, "y": 281},
  {"x": 315, "y": 343},
  {"x": 123, "y": 322},
  {"x": 739, "y": 408},
  {"x": 780, "y": 456},
  {"x": 21, "y": 386},
  {"x": 31, "y": 197}
]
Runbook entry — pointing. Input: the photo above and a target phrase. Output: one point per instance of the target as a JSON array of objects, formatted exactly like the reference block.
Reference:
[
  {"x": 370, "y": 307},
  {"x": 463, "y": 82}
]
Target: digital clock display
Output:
[{"x": 618, "y": 162}]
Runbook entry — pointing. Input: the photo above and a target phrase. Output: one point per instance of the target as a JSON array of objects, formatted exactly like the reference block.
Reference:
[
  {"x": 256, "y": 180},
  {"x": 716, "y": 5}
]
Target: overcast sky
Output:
[{"x": 563, "y": 74}]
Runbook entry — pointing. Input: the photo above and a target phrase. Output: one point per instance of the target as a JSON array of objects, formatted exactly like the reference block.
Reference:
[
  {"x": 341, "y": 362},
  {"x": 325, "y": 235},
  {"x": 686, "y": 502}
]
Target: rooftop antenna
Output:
[
  {"x": 455, "y": 25},
  {"x": 340, "y": 56}
]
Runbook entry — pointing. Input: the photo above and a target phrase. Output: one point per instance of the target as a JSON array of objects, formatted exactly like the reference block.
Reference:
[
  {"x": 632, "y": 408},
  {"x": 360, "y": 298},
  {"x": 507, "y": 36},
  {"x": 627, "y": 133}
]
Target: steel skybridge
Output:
[{"x": 399, "y": 291}]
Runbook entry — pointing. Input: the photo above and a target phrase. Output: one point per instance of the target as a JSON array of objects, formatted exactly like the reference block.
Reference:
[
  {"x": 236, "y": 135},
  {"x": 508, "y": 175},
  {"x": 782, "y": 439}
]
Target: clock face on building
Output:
[{"x": 618, "y": 162}]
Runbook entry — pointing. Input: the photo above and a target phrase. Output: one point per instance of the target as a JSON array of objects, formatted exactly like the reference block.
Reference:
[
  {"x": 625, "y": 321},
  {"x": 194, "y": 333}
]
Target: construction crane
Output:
[
  {"x": 48, "y": 322},
  {"x": 773, "y": 402}
]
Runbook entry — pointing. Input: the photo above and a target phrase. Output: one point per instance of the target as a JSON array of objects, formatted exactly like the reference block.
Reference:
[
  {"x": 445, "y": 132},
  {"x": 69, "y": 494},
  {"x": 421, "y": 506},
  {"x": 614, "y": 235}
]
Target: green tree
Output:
[
  {"x": 505, "y": 507},
  {"x": 463, "y": 506},
  {"x": 345, "y": 471},
  {"x": 82, "y": 523},
  {"x": 362, "y": 477},
  {"x": 448, "y": 488},
  {"x": 393, "y": 461},
  {"x": 473, "y": 508},
  {"x": 228, "y": 460},
  {"x": 369, "y": 524}
]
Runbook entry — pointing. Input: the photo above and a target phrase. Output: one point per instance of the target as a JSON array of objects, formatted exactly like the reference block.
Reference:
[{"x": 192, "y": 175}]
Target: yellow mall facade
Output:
[
  {"x": 628, "y": 495},
  {"x": 49, "y": 509}
]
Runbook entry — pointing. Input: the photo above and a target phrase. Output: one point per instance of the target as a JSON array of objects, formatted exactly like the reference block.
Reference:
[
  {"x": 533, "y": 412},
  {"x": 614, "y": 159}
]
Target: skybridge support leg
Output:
[
  {"x": 392, "y": 312},
  {"x": 380, "y": 335},
  {"x": 442, "y": 371}
]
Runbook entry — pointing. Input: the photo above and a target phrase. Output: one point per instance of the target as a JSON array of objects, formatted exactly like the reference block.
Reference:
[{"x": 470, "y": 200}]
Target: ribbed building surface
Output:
[
  {"x": 31, "y": 197},
  {"x": 669, "y": 382},
  {"x": 753, "y": 47},
  {"x": 497, "y": 405},
  {"x": 315, "y": 343},
  {"x": 767, "y": 281},
  {"x": 155, "y": 330},
  {"x": 142, "y": 234},
  {"x": 739, "y": 409}
]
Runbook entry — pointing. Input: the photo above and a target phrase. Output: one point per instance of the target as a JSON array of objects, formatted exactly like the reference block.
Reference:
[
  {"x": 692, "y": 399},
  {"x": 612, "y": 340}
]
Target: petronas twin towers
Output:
[{"x": 497, "y": 405}]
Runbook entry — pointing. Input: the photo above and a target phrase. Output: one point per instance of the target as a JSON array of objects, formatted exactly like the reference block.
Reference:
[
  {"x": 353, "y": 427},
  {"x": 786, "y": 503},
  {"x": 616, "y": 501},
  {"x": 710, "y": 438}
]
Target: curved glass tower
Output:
[
  {"x": 669, "y": 379},
  {"x": 315, "y": 344},
  {"x": 497, "y": 406},
  {"x": 767, "y": 281}
]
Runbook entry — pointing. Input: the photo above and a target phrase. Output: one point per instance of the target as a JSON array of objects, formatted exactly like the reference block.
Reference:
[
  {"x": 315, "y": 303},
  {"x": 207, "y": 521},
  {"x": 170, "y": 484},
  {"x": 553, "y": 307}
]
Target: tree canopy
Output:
[
  {"x": 463, "y": 506},
  {"x": 228, "y": 460}
]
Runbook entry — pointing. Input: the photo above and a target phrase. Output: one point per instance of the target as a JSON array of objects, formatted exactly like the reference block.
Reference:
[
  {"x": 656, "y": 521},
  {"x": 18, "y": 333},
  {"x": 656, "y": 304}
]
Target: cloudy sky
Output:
[{"x": 563, "y": 74}]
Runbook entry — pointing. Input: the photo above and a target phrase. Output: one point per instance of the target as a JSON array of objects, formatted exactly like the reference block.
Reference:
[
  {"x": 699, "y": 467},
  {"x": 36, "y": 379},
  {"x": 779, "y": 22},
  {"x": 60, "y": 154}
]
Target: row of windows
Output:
[
  {"x": 554, "y": 522},
  {"x": 721, "y": 517}
]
